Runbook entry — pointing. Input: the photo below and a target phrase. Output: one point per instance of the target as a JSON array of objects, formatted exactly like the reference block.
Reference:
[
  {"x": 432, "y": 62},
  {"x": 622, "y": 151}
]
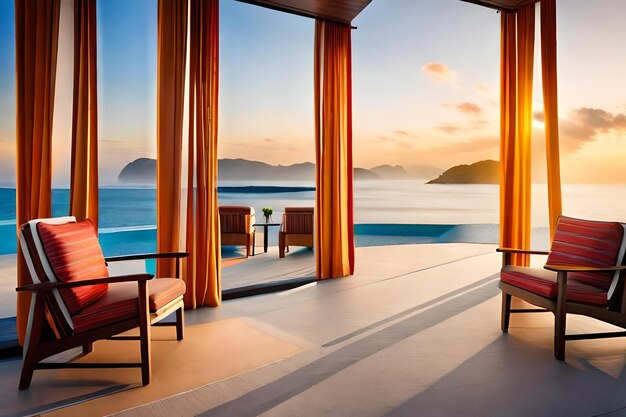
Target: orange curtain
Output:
[
  {"x": 36, "y": 45},
  {"x": 202, "y": 270},
  {"x": 334, "y": 241},
  {"x": 516, "y": 77},
  {"x": 84, "y": 174},
  {"x": 551, "y": 109},
  {"x": 172, "y": 51}
]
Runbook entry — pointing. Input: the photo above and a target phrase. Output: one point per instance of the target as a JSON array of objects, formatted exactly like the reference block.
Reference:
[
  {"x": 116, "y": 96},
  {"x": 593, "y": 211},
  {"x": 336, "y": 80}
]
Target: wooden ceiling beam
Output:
[
  {"x": 511, "y": 5},
  {"x": 340, "y": 11}
]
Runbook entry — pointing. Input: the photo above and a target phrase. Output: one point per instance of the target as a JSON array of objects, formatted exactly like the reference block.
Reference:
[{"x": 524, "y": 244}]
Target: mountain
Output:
[
  {"x": 142, "y": 171},
  {"x": 245, "y": 170},
  {"x": 390, "y": 172},
  {"x": 423, "y": 172},
  {"x": 483, "y": 172},
  {"x": 365, "y": 174}
]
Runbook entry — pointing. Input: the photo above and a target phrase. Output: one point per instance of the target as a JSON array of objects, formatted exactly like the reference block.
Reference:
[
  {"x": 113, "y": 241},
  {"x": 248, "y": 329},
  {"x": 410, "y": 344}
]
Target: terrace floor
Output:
[{"x": 414, "y": 332}]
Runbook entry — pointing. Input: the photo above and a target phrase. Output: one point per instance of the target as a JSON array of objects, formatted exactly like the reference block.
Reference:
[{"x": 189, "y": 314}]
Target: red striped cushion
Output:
[
  {"x": 121, "y": 303},
  {"x": 543, "y": 282},
  {"x": 587, "y": 243},
  {"x": 74, "y": 254}
]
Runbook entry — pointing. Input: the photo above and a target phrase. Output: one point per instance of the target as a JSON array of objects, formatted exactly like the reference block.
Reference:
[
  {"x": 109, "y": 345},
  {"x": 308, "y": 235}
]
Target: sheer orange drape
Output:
[
  {"x": 334, "y": 240},
  {"x": 36, "y": 45},
  {"x": 84, "y": 173},
  {"x": 551, "y": 109},
  {"x": 172, "y": 54},
  {"x": 202, "y": 271},
  {"x": 516, "y": 75}
]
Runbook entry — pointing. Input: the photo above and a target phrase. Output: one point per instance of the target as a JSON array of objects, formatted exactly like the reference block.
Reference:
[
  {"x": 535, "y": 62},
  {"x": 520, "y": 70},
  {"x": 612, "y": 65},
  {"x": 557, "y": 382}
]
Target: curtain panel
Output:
[
  {"x": 171, "y": 61},
  {"x": 334, "y": 240},
  {"x": 202, "y": 271},
  {"x": 193, "y": 219},
  {"x": 36, "y": 46},
  {"x": 516, "y": 84},
  {"x": 551, "y": 109},
  {"x": 84, "y": 172}
]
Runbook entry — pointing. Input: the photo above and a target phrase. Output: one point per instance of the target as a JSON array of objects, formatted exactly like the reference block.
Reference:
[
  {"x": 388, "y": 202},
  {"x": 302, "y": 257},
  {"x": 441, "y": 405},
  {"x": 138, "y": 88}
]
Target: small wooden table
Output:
[{"x": 266, "y": 227}]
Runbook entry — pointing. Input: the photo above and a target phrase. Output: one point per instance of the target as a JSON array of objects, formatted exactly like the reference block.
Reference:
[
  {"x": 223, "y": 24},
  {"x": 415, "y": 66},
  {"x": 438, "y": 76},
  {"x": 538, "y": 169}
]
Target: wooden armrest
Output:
[
  {"x": 47, "y": 286},
  {"x": 530, "y": 252},
  {"x": 578, "y": 268},
  {"x": 135, "y": 257}
]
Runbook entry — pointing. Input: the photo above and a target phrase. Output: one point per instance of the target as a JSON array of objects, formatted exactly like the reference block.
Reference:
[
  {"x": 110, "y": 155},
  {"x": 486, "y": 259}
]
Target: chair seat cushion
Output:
[
  {"x": 121, "y": 302},
  {"x": 544, "y": 283}
]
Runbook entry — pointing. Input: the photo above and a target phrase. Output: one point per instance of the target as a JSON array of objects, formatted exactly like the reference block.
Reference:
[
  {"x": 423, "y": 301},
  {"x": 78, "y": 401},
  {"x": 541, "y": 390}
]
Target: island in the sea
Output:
[
  {"x": 142, "y": 171},
  {"x": 483, "y": 172}
]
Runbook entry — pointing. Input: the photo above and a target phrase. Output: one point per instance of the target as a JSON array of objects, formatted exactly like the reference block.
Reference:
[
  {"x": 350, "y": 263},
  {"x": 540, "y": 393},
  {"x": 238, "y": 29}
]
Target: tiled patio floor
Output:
[{"x": 415, "y": 332}]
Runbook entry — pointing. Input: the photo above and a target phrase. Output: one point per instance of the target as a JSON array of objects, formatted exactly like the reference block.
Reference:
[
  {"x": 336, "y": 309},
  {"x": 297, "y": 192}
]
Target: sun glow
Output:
[{"x": 538, "y": 124}]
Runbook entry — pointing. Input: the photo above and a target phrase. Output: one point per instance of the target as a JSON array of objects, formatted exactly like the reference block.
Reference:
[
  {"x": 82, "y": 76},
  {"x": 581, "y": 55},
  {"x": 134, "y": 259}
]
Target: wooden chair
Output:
[
  {"x": 296, "y": 230},
  {"x": 236, "y": 226},
  {"x": 582, "y": 275},
  {"x": 75, "y": 303}
]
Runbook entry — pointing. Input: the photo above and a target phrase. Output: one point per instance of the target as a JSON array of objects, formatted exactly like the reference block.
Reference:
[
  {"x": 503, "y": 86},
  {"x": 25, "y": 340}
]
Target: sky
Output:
[{"x": 425, "y": 87}]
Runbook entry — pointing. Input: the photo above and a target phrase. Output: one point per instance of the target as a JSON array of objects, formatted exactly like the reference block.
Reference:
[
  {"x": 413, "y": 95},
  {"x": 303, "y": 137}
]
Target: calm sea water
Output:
[{"x": 128, "y": 216}]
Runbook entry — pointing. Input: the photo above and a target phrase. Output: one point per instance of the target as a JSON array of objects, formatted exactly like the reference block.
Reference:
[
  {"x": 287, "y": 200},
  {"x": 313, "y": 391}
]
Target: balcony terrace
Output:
[
  {"x": 413, "y": 330},
  {"x": 418, "y": 334}
]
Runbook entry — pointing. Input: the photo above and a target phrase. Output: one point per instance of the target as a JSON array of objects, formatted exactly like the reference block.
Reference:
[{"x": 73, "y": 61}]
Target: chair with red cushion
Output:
[
  {"x": 581, "y": 276},
  {"x": 75, "y": 302},
  {"x": 296, "y": 229}
]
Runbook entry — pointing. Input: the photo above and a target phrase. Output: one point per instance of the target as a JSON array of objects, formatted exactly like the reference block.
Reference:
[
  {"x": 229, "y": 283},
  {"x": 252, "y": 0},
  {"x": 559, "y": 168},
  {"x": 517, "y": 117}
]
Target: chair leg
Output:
[
  {"x": 28, "y": 368},
  {"x": 560, "y": 315},
  {"x": 180, "y": 323},
  {"x": 30, "y": 360},
  {"x": 144, "y": 333},
  {"x": 559, "y": 332},
  {"x": 506, "y": 312},
  {"x": 281, "y": 244},
  {"x": 88, "y": 348}
]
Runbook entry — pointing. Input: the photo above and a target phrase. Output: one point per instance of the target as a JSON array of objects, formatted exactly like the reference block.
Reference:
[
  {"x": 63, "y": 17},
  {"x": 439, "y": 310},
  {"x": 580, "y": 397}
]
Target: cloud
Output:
[
  {"x": 449, "y": 129},
  {"x": 483, "y": 88},
  {"x": 466, "y": 107},
  {"x": 481, "y": 144},
  {"x": 583, "y": 125},
  {"x": 400, "y": 138},
  {"x": 439, "y": 72},
  {"x": 268, "y": 140},
  {"x": 478, "y": 124}
]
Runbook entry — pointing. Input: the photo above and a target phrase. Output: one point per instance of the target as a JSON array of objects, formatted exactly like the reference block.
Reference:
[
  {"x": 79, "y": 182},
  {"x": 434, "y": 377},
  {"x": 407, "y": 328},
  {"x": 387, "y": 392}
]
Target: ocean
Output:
[{"x": 402, "y": 211}]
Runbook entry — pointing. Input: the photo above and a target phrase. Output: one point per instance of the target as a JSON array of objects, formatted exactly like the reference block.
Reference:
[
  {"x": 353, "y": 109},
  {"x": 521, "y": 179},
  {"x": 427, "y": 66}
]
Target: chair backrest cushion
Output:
[
  {"x": 298, "y": 220},
  {"x": 74, "y": 254},
  {"x": 236, "y": 219},
  {"x": 587, "y": 243}
]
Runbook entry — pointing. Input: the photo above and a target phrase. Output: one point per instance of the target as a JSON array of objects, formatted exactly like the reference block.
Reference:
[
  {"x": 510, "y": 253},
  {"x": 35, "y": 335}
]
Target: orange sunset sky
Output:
[{"x": 425, "y": 76}]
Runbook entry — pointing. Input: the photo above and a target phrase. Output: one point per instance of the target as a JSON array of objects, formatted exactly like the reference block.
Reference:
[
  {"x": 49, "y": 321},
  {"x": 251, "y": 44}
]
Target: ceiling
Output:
[
  {"x": 342, "y": 11},
  {"x": 501, "y": 4}
]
